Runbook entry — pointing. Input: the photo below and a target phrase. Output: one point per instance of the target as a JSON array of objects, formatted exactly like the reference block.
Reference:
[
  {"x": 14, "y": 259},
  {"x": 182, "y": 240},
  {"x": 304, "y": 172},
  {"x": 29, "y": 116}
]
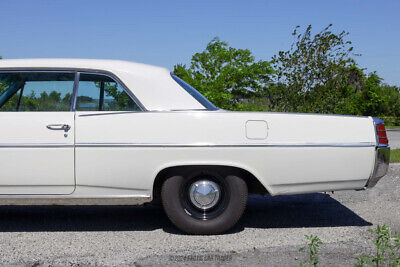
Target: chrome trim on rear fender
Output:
[
  {"x": 361, "y": 144},
  {"x": 381, "y": 167}
]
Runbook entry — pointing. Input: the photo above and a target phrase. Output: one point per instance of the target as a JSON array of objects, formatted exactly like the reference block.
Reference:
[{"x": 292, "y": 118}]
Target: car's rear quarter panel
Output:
[{"x": 301, "y": 153}]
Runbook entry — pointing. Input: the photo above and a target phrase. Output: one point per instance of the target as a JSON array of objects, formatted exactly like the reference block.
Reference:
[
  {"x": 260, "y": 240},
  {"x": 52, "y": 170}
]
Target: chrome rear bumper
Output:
[{"x": 381, "y": 165}]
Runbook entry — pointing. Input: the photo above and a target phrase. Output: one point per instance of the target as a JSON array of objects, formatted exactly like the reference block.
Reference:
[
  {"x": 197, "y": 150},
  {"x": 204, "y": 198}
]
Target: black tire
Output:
[{"x": 225, "y": 215}]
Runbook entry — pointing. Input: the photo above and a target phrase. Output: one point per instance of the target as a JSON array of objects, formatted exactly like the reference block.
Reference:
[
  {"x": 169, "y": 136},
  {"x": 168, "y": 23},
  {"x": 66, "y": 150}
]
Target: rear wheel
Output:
[{"x": 204, "y": 202}]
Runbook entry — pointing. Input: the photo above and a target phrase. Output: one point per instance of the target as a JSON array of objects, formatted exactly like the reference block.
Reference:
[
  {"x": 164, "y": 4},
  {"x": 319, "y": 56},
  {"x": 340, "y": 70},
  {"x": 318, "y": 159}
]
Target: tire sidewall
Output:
[{"x": 235, "y": 188}]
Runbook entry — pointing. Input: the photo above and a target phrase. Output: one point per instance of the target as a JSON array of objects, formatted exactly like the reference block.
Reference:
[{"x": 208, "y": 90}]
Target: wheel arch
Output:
[{"x": 253, "y": 183}]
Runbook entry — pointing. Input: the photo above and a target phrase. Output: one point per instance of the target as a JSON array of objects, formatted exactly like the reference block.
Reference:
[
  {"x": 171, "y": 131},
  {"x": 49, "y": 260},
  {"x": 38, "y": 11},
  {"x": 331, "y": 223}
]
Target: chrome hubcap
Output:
[{"x": 204, "y": 194}]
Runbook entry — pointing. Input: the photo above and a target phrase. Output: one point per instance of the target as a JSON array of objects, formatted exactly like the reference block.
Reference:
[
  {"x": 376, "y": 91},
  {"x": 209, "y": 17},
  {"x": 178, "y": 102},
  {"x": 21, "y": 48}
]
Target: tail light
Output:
[{"x": 381, "y": 132}]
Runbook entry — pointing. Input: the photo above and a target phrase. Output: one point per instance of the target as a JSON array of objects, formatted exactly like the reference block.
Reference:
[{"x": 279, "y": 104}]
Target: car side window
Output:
[
  {"x": 97, "y": 92},
  {"x": 36, "y": 91}
]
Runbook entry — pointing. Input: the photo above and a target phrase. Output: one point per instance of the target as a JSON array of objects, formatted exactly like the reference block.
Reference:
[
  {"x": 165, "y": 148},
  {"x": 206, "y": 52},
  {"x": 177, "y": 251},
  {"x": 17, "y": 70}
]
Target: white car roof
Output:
[{"x": 153, "y": 86}]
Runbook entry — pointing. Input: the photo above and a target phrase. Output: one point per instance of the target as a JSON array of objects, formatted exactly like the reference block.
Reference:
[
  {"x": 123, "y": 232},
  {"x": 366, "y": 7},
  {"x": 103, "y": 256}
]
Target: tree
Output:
[
  {"x": 121, "y": 100},
  {"x": 226, "y": 75},
  {"x": 393, "y": 95},
  {"x": 318, "y": 71},
  {"x": 379, "y": 100}
]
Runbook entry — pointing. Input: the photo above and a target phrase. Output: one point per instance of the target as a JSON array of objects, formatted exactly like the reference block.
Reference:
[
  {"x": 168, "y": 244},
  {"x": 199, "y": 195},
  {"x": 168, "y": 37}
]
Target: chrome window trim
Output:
[
  {"x": 193, "y": 92},
  {"x": 80, "y": 70},
  {"x": 76, "y": 84},
  {"x": 117, "y": 80},
  {"x": 16, "y": 70}
]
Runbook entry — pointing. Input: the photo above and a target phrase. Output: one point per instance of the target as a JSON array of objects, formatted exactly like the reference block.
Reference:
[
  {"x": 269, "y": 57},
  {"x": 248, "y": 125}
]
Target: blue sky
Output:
[{"x": 165, "y": 33}]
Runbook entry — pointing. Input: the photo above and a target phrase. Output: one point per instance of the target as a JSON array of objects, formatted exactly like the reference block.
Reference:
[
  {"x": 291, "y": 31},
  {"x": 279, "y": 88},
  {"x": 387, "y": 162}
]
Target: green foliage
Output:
[
  {"x": 226, "y": 75},
  {"x": 121, "y": 101},
  {"x": 387, "y": 247},
  {"x": 317, "y": 70},
  {"x": 380, "y": 100},
  {"x": 395, "y": 155},
  {"x": 318, "y": 74},
  {"x": 312, "y": 249},
  {"x": 391, "y": 127},
  {"x": 44, "y": 102}
]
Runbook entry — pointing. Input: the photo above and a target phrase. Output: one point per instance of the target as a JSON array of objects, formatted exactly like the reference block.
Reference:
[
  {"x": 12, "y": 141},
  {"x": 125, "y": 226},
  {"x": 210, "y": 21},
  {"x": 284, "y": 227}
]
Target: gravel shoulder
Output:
[{"x": 271, "y": 232}]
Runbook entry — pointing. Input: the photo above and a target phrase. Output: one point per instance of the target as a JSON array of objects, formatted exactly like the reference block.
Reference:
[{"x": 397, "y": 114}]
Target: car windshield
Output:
[{"x": 193, "y": 92}]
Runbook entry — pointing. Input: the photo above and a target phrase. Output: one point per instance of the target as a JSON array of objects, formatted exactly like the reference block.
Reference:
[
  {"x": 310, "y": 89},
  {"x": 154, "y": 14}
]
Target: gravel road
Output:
[{"x": 271, "y": 232}]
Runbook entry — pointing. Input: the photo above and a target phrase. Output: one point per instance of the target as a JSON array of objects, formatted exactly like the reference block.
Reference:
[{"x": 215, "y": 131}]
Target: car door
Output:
[
  {"x": 105, "y": 119},
  {"x": 37, "y": 132}
]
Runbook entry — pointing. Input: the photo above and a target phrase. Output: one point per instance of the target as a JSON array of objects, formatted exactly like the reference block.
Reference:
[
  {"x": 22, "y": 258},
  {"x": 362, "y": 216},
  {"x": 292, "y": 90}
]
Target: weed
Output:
[
  {"x": 387, "y": 249},
  {"x": 312, "y": 248}
]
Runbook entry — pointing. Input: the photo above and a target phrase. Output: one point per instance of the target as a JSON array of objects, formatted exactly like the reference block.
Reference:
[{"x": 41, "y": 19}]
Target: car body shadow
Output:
[
  {"x": 310, "y": 210},
  {"x": 297, "y": 211}
]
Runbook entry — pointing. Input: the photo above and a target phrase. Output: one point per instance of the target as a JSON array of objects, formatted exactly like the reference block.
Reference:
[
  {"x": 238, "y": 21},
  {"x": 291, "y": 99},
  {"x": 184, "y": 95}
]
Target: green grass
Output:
[
  {"x": 395, "y": 155},
  {"x": 392, "y": 127}
]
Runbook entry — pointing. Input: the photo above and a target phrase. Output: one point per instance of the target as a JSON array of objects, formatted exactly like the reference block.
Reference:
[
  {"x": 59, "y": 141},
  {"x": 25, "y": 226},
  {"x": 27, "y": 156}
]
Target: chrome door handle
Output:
[{"x": 64, "y": 127}]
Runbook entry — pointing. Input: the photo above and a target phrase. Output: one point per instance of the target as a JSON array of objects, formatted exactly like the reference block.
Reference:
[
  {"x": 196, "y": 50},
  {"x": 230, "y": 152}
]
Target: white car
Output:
[{"x": 88, "y": 132}]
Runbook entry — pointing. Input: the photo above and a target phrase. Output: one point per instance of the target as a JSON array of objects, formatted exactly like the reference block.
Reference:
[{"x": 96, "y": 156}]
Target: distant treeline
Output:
[{"x": 319, "y": 74}]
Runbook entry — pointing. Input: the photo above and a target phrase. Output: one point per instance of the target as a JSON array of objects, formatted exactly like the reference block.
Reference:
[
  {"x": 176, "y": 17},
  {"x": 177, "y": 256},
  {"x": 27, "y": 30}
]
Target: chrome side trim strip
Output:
[
  {"x": 315, "y": 183},
  {"x": 54, "y": 145},
  {"x": 34, "y": 145},
  {"x": 70, "y": 200},
  {"x": 366, "y": 144},
  {"x": 100, "y": 113}
]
